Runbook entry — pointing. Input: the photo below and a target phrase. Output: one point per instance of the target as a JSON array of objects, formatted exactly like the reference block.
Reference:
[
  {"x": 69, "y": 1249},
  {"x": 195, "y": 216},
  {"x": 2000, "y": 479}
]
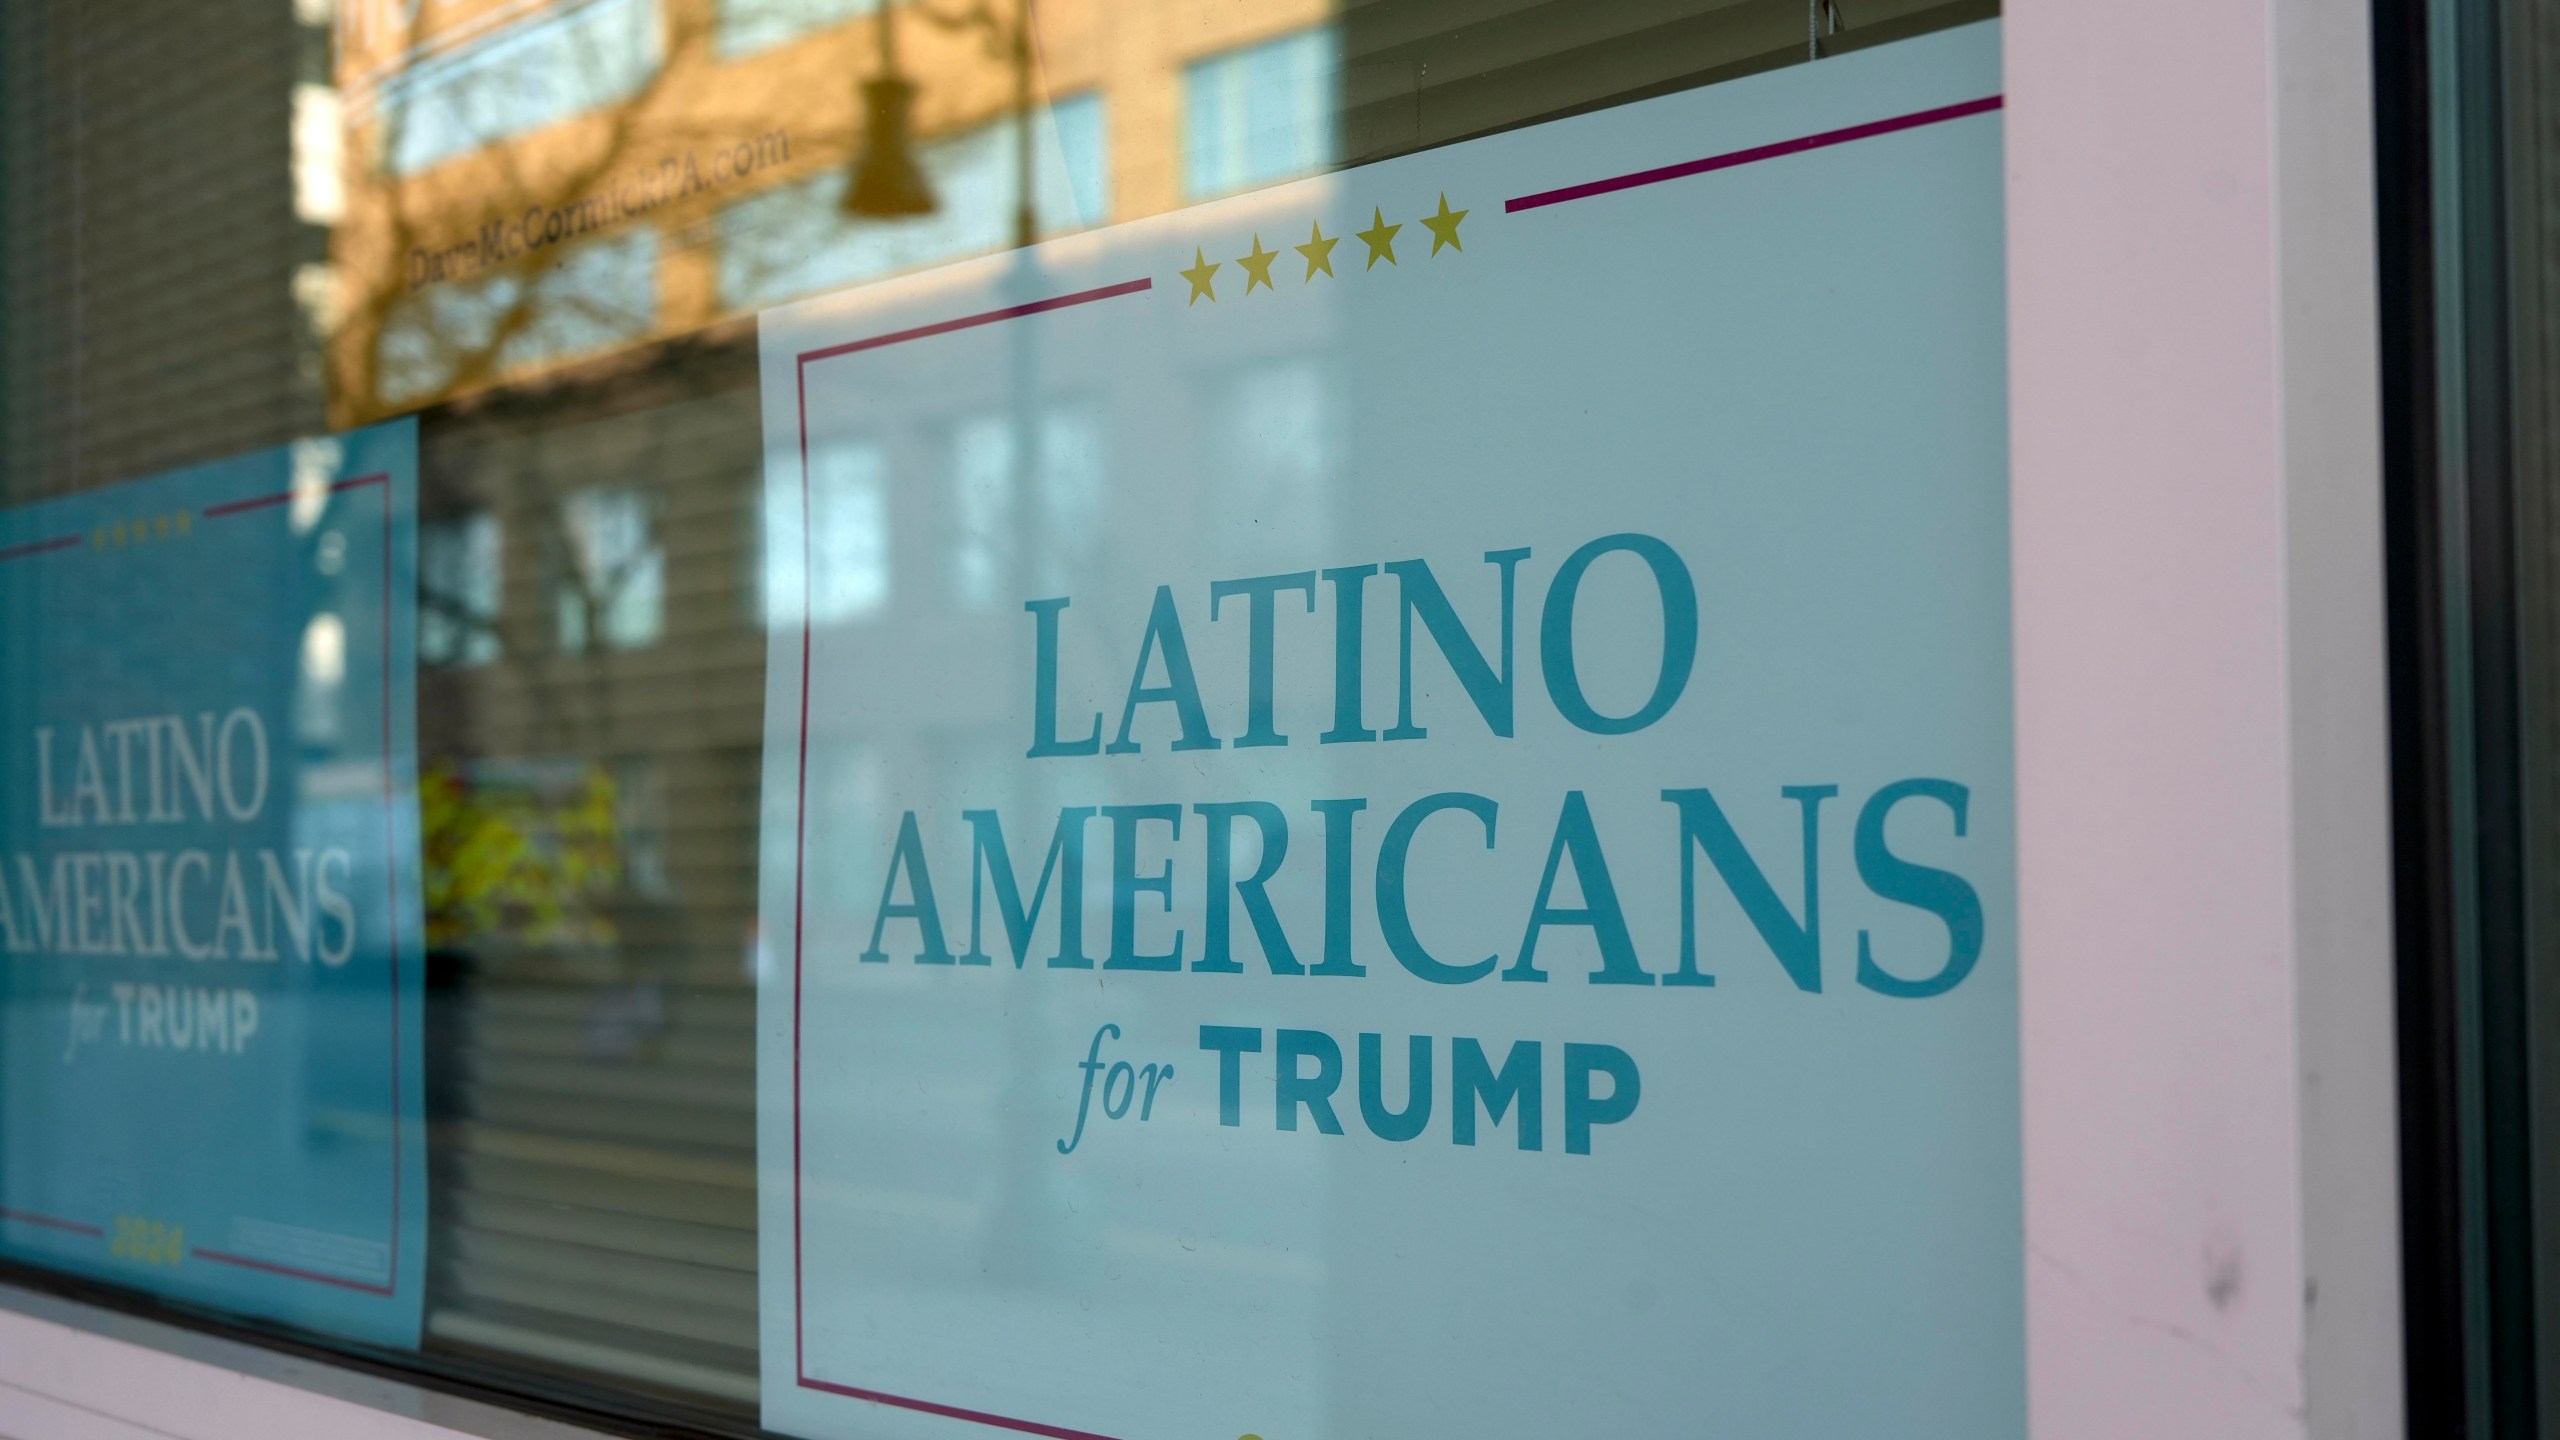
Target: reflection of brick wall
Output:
[
  {"x": 776, "y": 80},
  {"x": 147, "y": 312},
  {"x": 778, "y": 77}
]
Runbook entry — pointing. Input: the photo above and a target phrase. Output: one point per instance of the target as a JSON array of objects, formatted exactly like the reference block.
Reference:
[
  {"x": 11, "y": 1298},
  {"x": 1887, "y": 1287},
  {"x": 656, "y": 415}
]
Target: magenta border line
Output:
[
  {"x": 261, "y": 502},
  {"x": 51, "y": 1222},
  {"x": 1798, "y": 146},
  {"x": 799, "y": 861},
  {"x": 952, "y": 1412},
  {"x": 37, "y": 547},
  {"x": 391, "y": 851},
  {"x": 225, "y": 1257},
  {"x": 984, "y": 317}
]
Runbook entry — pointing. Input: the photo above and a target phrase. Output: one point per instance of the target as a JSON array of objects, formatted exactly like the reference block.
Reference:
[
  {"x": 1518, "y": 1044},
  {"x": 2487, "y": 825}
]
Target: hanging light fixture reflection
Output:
[{"x": 887, "y": 183}]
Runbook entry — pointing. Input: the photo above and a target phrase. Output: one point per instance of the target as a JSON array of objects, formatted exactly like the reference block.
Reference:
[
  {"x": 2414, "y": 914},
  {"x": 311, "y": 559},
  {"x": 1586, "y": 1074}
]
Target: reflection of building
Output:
[
  {"x": 530, "y": 183},
  {"x": 535, "y": 183},
  {"x": 557, "y": 220}
]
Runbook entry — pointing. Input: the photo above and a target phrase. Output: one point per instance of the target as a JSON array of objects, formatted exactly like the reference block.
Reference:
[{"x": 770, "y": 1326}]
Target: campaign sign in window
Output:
[
  {"x": 1414, "y": 836},
  {"x": 209, "y": 1069}
]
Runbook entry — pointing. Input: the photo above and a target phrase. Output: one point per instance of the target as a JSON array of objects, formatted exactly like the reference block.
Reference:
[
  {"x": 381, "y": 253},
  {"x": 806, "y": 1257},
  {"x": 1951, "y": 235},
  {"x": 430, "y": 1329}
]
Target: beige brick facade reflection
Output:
[{"x": 702, "y": 132}]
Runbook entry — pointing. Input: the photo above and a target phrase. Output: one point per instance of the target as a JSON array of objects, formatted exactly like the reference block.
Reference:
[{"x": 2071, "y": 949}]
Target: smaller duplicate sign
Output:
[{"x": 209, "y": 896}]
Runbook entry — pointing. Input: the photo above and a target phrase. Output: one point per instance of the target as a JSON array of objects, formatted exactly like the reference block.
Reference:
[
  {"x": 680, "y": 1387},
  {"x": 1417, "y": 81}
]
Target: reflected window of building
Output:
[
  {"x": 796, "y": 240},
  {"x": 1071, "y": 489},
  {"x": 323, "y": 672},
  {"x": 640, "y": 824},
  {"x": 538, "y": 71},
  {"x": 1083, "y": 179},
  {"x": 1259, "y": 114},
  {"x": 1074, "y": 488},
  {"x": 612, "y": 591},
  {"x": 747, "y": 26},
  {"x": 982, "y": 505},
  {"x": 842, "y": 524},
  {"x": 600, "y": 294},
  {"x": 1276, "y": 443},
  {"x": 458, "y": 590}
]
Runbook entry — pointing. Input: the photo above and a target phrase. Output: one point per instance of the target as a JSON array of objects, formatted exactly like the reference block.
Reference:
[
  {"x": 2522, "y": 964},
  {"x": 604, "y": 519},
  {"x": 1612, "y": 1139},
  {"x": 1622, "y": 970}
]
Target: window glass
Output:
[
  {"x": 518, "y": 77},
  {"x": 458, "y": 590},
  {"x": 521, "y": 257},
  {"x": 792, "y": 240},
  {"x": 746, "y": 26},
  {"x": 1258, "y": 114},
  {"x": 595, "y": 295},
  {"x": 845, "y": 544},
  {"x": 613, "y": 579}
]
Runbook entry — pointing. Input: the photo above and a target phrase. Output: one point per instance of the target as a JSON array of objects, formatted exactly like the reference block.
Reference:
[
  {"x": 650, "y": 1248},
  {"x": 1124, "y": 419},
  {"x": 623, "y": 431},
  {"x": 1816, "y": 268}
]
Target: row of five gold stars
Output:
[
  {"x": 1380, "y": 237},
  {"x": 142, "y": 529}
]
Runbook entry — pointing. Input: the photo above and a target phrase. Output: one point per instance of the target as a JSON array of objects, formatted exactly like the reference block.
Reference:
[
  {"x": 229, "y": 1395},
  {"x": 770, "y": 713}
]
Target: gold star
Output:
[
  {"x": 1257, "y": 266},
  {"x": 186, "y": 521},
  {"x": 1318, "y": 250},
  {"x": 98, "y": 538},
  {"x": 1202, "y": 267},
  {"x": 119, "y": 534},
  {"x": 1380, "y": 237},
  {"x": 1444, "y": 226},
  {"x": 159, "y": 527}
]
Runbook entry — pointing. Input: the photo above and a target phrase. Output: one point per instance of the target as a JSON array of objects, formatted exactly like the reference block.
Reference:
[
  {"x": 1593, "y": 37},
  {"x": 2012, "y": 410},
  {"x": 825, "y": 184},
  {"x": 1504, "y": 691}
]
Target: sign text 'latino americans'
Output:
[{"x": 1142, "y": 843}]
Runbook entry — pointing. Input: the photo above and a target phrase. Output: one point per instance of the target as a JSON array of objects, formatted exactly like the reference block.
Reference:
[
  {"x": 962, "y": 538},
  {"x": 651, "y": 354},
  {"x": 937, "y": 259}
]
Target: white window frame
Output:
[{"x": 2204, "y": 826}]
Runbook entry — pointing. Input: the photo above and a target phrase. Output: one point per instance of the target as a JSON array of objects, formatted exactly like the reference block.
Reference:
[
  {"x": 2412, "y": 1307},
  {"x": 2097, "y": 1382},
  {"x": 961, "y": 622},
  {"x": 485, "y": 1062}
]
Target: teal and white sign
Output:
[
  {"x": 1388, "y": 804},
  {"x": 209, "y": 928}
]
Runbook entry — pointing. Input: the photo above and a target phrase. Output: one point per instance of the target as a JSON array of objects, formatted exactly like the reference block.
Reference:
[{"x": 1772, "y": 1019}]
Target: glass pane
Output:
[{"x": 514, "y": 255}]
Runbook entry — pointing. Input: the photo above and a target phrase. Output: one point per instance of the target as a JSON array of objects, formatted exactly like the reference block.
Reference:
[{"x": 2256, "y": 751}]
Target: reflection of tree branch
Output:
[
  {"x": 456, "y": 610},
  {"x": 596, "y": 597},
  {"x": 980, "y": 16},
  {"x": 459, "y": 335},
  {"x": 462, "y": 345}
]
